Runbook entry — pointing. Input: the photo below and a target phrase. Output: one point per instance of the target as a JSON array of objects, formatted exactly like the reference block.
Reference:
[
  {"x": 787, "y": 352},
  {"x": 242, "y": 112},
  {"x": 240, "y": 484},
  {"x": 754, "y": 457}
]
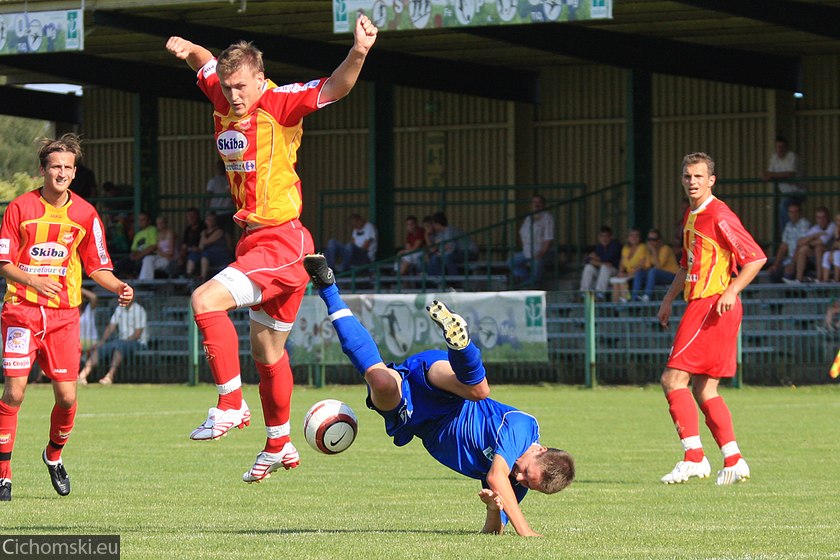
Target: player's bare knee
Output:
[
  {"x": 381, "y": 382},
  {"x": 12, "y": 396}
]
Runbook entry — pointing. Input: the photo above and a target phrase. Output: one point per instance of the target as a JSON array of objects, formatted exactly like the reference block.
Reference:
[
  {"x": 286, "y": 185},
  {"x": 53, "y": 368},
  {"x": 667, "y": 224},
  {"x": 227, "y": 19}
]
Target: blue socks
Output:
[
  {"x": 356, "y": 342},
  {"x": 467, "y": 364}
]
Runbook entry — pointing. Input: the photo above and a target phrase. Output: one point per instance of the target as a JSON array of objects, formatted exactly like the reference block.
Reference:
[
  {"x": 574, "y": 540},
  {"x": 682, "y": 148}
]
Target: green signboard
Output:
[
  {"x": 41, "y": 32},
  {"x": 432, "y": 14}
]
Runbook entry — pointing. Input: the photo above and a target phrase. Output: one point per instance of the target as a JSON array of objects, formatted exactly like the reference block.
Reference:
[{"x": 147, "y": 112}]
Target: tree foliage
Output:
[{"x": 19, "y": 155}]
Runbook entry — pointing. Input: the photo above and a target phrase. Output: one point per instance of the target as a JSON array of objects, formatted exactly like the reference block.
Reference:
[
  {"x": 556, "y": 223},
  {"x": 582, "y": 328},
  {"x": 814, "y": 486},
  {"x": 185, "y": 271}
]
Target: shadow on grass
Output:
[{"x": 91, "y": 530}]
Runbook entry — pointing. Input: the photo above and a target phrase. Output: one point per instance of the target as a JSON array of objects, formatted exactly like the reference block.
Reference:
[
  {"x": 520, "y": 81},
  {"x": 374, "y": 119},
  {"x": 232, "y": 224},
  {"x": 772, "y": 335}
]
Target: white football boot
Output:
[
  {"x": 267, "y": 463},
  {"x": 454, "y": 326},
  {"x": 220, "y": 422},
  {"x": 739, "y": 472},
  {"x": 687, "y": 469}
]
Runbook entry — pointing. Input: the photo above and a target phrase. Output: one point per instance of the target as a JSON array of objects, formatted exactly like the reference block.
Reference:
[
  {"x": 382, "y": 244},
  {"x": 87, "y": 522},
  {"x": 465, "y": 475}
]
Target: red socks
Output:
[
  {"x": 221, "y": 345},
  {"x": 8, "y": 427},
  {"x": 719, "y": 421},
  {"x": 276, "y": 384},
  {"x": 687, "y": 422},
  {"x": 61, "y": 424}
]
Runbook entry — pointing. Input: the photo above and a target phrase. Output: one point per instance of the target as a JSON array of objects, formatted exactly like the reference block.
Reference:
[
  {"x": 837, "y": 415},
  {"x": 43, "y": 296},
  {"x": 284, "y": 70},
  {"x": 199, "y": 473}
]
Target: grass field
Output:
[{"x": 136, "y": 474}]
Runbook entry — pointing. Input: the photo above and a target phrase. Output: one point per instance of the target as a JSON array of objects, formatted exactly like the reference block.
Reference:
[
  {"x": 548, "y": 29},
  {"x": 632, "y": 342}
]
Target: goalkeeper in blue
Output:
[{"x": 440, "y": 397}]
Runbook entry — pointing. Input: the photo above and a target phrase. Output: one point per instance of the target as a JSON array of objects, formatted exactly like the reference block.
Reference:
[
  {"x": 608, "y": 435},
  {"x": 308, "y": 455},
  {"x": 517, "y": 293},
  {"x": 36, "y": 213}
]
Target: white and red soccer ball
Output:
[{"x": 330, "y": 426}]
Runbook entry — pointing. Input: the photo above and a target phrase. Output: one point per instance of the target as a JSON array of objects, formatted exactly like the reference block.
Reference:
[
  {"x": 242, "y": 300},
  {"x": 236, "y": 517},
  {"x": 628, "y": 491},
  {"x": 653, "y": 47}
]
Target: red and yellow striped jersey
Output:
[
  {"x": 260, "y": 149},
  {"x": 715, "y": 243},
  {"x": 41, "y": 239}
]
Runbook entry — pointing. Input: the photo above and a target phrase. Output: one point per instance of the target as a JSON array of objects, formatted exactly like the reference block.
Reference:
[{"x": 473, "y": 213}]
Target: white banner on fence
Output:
[{"x": 507, "y": 326}]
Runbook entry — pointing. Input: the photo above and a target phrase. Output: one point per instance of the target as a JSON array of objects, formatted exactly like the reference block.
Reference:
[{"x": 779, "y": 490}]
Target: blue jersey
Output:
[{"x": 461, "y": 434}]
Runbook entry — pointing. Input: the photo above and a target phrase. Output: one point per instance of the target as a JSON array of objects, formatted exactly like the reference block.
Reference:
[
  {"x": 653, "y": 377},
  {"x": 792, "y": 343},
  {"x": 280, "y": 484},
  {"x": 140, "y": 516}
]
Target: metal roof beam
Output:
[
  {"x": 122, "y": 75},
  {"x": 495, "y": 82},
  {"x": 31, "y": 104},
  {"x": 802, "y": 16},
  {"x": 664, "y": 56}
]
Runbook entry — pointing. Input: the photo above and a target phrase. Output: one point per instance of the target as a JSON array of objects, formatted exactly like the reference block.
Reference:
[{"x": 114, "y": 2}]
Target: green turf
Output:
[{"x": 136, "y": 474}]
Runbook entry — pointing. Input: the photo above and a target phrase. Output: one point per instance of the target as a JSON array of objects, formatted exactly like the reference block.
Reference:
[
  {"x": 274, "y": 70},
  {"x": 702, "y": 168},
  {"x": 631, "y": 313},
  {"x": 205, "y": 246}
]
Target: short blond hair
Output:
[{"x": 242, "y": 54}]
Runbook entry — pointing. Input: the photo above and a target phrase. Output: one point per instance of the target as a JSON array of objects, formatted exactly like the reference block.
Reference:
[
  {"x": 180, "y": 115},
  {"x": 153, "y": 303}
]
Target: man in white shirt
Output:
[
  {"x": 785, "y": 164},
  {"x": 784, "y": 266},
  {"x": 811, "y": 246},
  {"x": 537, "y": 236},
  {"x": 130, "y": 324},
  {"x": 361, "y": 250}
]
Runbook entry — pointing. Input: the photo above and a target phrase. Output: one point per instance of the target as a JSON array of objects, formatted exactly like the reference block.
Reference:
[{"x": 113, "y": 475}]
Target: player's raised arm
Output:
[
  {"x": 345, "y": 76},
  {"x": 194, "y": 55},
  {"x": 498, "y": 479}
]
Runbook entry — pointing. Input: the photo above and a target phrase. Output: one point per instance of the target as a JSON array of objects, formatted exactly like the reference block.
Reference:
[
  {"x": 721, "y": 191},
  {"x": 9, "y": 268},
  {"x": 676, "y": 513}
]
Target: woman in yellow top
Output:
[
  {"x": 664, "y": 267},
  {"x": 635, "y": 257}
]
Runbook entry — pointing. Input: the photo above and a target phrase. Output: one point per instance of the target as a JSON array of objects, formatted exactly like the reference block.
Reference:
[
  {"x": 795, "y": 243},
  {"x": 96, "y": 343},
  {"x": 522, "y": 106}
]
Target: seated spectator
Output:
[
  {"x": 415, "y": 239},
  {"x": 144, "y": 243},
  {"x": 832, "y": 316},
  {"x": 118, "y": 234},
  {"x": 189, "y": 257},
  {"x": 601, "y": 264},
  {"x": 810, "y": 247},
  {"x": 130, "y": 324},
  {"x": 88, "y": 335},
  {"x": 831, "y": 256},
  {"x": 214, "y": 246},
  {"x": 634, "y": 257},
  {"x": 784, "y": 267},
  {"x": 537, "y": 236},
  {"x": 164, "y": 256},
  {"x": 451, "y": 247},
  {"x": 219, "y": 198},
  {"x": 662, "y": 272},
  {"x": 360, "y": 250}
]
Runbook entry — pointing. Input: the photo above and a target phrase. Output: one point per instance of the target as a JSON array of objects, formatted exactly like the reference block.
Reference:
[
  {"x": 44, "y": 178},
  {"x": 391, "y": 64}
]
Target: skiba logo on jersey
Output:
[
  {"x": 231, "y": 142},
  {"x": 48, "y": 251}
]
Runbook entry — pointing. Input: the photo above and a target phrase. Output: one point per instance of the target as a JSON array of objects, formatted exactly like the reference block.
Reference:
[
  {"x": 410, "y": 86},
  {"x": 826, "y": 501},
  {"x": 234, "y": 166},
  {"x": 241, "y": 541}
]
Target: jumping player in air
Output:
[
  {"x": 440, "y": 397},
  {"x": 715, "y": 244},
  {"x": 258, "y": 128},
  {"x": 48, "y": 236}
]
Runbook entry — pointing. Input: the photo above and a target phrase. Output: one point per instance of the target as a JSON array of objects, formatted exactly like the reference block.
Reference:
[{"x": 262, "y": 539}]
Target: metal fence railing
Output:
[{"x": 782, "y": 342}]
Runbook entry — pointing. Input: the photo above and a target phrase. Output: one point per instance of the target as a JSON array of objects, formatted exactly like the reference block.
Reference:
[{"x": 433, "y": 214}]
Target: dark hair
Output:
[
  {"x": 67, "y": 143},
  {"x": 440, "y": 218},
  {"x": 558, "y": 470},
  {"x": 605, "y": 229},
  {"x": 411, "y": 217},
  {"x": 698, "y": 157}
]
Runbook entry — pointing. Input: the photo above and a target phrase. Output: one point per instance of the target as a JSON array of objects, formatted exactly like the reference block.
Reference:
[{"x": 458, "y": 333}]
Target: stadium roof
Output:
[{"x": 752, "y": 42}]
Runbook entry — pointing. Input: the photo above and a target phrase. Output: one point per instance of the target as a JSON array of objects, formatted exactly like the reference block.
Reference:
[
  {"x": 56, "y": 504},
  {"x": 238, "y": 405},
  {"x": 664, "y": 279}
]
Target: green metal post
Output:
[
  {"x": 589, "y": 311},
  {"x": 193, "y": 380},
  {"x": 739, "y": 367}
]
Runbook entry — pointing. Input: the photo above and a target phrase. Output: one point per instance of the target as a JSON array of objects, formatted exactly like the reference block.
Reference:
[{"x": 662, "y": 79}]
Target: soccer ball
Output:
[{"x": 330, "y": 426}]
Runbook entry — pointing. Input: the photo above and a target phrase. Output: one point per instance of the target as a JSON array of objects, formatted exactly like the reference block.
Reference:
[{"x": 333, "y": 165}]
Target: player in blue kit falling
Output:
[{"x": 441, "y": 398}]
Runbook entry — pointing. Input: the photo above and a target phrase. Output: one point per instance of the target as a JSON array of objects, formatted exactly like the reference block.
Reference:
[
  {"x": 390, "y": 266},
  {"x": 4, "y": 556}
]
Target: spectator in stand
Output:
[
  {"x": 831, "y": 256},
  {"x": 84, "y": 183},
  {"x": 190, "y": 254},
  {"x": 635, "y": 257},
  {"x": 118, "y": 234},
  {"x": 214, "y": 245},
  {"x": 537, "y": 236},
  {"x": 783, "y": 266},
  {"x": 601, "y": 264},
  {"x": 832, "y": 315},
  {"x": 130, "y": 323},
  {"x": 415, "y": 239},
  {"x": 164, "y": 256},
  {"x": 784, "y": 164},
  {"x": 662, "y": 272},
  {"x": 811, "y": 247},
  {"x": 220, "y": 200},
  {"x": 88, "y": 335},
  {"x": 361, "y": 250},
  {"x": 452, "y": 247},
  {"x": 144, "y": 243}
]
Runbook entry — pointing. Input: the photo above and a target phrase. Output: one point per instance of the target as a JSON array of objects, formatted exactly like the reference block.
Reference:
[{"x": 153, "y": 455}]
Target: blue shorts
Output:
[{"x": 423, "y": 409}]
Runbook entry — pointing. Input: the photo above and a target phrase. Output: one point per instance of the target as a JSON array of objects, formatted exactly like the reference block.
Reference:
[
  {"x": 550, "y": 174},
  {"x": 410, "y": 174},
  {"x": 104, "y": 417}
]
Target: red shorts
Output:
[
  {"x": 707, "y": 343},
  {"x": 44, "y": 333},
  {"x": 272, "y": 258}
]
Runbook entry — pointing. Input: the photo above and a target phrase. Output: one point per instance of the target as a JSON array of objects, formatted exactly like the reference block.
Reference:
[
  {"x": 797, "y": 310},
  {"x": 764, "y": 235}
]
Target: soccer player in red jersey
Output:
[
  {"x": 715, "y": 245},
  {"x": 48, "y": 236},
  {"x": 258, "y": 128}
]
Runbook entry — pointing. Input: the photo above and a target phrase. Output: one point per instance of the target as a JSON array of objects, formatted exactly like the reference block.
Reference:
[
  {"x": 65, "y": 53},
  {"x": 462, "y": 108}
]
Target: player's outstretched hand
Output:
[
  {"x": 179, "y": 47},
  {"x": 492, "y": 500},
  {"x": 126, "y": 295},
  {"x": 365, "y": 33}
]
